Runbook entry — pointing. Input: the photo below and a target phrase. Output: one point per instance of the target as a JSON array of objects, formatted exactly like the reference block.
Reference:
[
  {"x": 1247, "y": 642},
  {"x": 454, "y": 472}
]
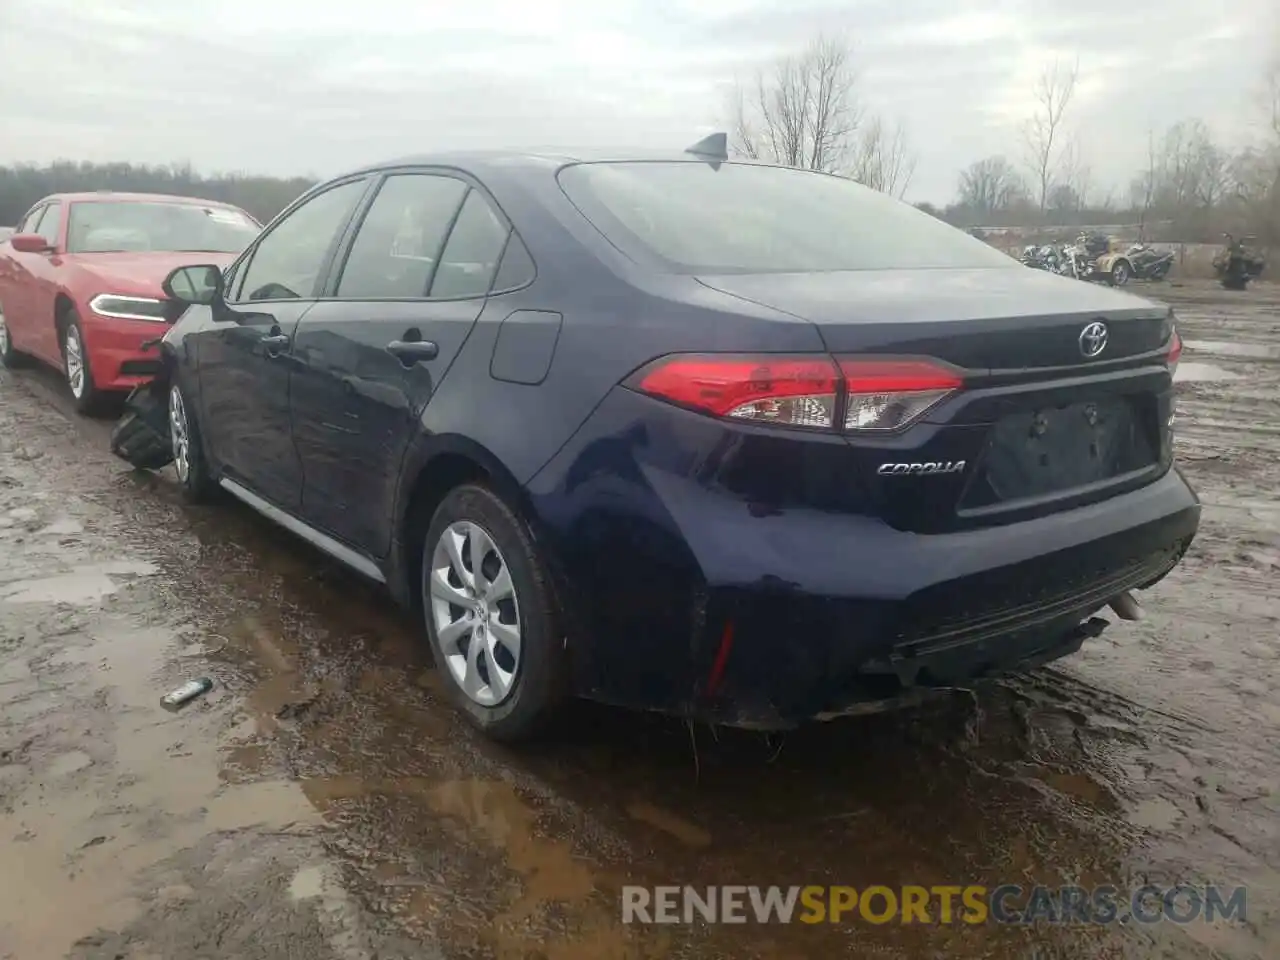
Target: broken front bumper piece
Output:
[{"x": 141, "y": 436}]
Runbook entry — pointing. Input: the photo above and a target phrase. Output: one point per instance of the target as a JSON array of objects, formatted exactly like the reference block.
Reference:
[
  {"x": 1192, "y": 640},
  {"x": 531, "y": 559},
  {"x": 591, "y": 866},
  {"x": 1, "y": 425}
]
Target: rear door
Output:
[
  {"x": 369, "y": 356},
  {"x": 245, "y": 358}
]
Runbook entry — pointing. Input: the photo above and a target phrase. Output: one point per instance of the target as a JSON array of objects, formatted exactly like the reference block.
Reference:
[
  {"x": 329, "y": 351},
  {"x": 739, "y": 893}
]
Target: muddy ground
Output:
[{"x": 323, "y": 802}]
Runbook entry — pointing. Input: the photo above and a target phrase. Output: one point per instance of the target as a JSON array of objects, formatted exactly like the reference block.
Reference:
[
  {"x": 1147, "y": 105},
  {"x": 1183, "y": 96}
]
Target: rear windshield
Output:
[
  {"x": 106, "y": 227},
  {"x": 744, "y": 218}
]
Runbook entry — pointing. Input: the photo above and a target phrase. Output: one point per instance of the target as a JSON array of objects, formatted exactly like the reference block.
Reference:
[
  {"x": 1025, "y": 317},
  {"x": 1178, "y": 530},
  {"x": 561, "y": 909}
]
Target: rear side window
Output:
[
  {"x": 470, "y": 258},
  {"x": 517, "y": 266},
  {"x": 395, "y": 251},
  {"x": 746, "y": 218}
]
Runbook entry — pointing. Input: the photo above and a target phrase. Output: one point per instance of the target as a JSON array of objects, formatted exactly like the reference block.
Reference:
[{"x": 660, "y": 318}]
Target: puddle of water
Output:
[
  {"x": 307, "y": 883},
  {"x": 69, "y": 762},
  {"x": 687, "y": 833},
  {"x": 555, "y": 881},
  {"x": 82, "y": 586},
  {"x": 1156, "y": 814},
  {"x": 1192, "y": 371},
  {"x": 64, "y": 526},
  {"x": 1230, "y": 348},
  {"x": 71, "y": 846}
]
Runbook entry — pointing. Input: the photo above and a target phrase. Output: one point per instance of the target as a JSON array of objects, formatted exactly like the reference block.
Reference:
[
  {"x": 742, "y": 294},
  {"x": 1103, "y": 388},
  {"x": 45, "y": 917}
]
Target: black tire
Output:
[
  {"x": 197, "y": 483},
  {"x": 88, "y": 399},
  {"x": 1120, "y": 273},
  {"x": 539, "y": 688},
  {"x": 9, "y": 357}
]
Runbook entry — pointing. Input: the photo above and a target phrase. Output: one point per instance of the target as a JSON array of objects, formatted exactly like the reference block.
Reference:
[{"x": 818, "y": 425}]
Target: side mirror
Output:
[
  {"x": 30, "y": 243},
  {"x": 198, "y": 284}
]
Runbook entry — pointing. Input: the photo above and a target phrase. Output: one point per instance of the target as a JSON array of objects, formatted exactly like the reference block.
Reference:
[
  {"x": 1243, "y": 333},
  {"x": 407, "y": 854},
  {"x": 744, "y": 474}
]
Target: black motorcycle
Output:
[{"x": 1238, "y": 262}]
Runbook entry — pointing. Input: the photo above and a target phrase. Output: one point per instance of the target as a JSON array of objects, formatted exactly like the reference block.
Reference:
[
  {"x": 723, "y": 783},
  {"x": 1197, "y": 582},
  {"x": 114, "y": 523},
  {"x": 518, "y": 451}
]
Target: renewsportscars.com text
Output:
[{"x": 970, "y": 904}]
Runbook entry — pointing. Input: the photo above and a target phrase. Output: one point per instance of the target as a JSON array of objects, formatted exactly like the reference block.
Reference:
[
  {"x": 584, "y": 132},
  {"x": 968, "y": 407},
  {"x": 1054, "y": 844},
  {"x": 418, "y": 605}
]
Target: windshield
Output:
[
  {"x": 104, "y": 227},
  {"x": 745, "y": 218}
]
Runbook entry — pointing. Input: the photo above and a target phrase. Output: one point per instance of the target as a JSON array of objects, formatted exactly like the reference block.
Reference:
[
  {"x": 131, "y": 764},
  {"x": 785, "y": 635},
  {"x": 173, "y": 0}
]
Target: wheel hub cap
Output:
[
  {"x": 75, "y": 362},
  {"x": 473, "y": 607},
  {"x": 178, "y": 435}
]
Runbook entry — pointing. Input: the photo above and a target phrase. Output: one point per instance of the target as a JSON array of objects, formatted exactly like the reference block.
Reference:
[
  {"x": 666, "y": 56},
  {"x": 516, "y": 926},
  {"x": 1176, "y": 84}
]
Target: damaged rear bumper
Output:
[{"x": 811, "y": 617}]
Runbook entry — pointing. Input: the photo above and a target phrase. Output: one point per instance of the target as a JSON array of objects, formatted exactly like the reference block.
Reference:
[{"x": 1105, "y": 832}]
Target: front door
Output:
[
  {"x": 31, "y": 293},
  {"x": 246, "y": 357},
  {"x": 370, "y": 355},
  {"x": 15, "y": 282}
]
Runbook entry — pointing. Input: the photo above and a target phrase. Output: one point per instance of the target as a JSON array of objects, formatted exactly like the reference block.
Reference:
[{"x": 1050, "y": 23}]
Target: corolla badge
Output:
[
  {"x": 1093, "y": 339},
  {"x": 920, "y": 469}
]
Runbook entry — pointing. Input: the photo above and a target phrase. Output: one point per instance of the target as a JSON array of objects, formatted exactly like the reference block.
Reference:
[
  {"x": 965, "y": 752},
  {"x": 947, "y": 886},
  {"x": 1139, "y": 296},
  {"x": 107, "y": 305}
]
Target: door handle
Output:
[
  {"x": 409, "y": 352},
  {"x": 275, "y": 343}
]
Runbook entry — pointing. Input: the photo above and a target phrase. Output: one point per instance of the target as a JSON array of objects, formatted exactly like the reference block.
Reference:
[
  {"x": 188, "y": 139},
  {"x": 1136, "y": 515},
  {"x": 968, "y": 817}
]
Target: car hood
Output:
[{"x": 138, "y": 274}]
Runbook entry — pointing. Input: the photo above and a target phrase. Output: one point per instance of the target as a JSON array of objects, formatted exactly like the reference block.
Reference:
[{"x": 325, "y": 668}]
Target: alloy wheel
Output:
[
  {"x": 179, "y": 434},
  {"x": 73, "y": 350},
  {"x": 475, "y": 613}
]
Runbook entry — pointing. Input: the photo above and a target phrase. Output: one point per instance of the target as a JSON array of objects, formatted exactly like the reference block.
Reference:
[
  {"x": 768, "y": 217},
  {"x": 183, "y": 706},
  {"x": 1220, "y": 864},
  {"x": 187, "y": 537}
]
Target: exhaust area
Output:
[{"x": 1126, "y": 606}]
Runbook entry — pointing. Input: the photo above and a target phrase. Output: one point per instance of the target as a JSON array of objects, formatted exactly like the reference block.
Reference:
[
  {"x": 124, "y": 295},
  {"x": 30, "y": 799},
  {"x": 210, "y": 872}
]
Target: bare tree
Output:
[
  {"x": 990, "y": 185},
  {"x": 803, "y": 111},
  {"x": 1142, "y": 192},
  {"x": 1042, "y": 132},
  {"x": 1070, "y": 186},
  {"x": 1271, "y": 91},
  {"x": 883, "y": 159}
]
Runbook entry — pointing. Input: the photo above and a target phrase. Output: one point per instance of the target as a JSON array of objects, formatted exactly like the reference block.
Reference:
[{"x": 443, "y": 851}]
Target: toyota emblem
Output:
[{"x": 1093, "y": 339}]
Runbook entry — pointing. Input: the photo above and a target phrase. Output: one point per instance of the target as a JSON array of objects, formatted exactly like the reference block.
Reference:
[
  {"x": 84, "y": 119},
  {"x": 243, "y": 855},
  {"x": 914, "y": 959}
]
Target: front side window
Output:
[
  {"x": 50, "y": 224},
  {"x": 394, "y": 253},
  {"x": 31, "y": 220},
  {"x": 747, "y": 218},
  {"x": 287, "y": 263},
  {"x": 116, "y": 226}
]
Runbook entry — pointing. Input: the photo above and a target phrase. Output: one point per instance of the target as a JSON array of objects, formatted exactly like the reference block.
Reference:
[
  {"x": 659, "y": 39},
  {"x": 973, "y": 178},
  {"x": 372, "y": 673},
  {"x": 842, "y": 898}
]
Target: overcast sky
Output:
[{"x": 316, "y": 86}]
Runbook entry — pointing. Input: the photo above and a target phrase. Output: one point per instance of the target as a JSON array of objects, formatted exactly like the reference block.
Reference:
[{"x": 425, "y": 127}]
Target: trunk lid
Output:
[
  {"x": 986, "y": 319},
  {"x": 1046, "y": 420}
]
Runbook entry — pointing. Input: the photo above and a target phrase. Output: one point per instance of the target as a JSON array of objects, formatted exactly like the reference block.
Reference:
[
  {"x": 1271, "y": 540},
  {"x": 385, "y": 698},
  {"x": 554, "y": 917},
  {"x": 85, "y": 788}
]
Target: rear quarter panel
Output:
[{"x": 615, "y": 318}]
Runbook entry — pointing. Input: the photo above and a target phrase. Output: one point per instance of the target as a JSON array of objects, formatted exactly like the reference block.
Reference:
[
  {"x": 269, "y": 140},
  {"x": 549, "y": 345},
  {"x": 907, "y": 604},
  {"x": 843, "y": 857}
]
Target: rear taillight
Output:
[
  {"x": 789, "y": 391},
  {"x": 807, "y": 391},
  {"x": 890, "y": 394}
]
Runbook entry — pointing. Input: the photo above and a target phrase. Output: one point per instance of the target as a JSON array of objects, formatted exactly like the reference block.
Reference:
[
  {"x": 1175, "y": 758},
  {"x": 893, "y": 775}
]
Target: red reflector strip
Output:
[
  {"x": 897, "y": 376},
  {"x": 1175, "y": 348},
  {"x": 721, "y": 661}
]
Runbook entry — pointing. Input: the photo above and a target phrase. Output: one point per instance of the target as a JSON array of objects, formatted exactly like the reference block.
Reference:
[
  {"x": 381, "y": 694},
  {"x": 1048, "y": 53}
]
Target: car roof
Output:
[
  {"x": 549, "y": 159},
  {"x": 113, "y": 196}
]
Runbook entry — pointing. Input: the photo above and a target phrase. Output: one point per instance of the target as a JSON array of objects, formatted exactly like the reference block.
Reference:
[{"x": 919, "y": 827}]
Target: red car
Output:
[{"x": 80, "y": 281}]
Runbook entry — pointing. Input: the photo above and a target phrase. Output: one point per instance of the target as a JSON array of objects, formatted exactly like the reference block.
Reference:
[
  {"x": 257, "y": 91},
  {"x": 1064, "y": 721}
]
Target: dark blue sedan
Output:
[{"x": 727, "y": 440}]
